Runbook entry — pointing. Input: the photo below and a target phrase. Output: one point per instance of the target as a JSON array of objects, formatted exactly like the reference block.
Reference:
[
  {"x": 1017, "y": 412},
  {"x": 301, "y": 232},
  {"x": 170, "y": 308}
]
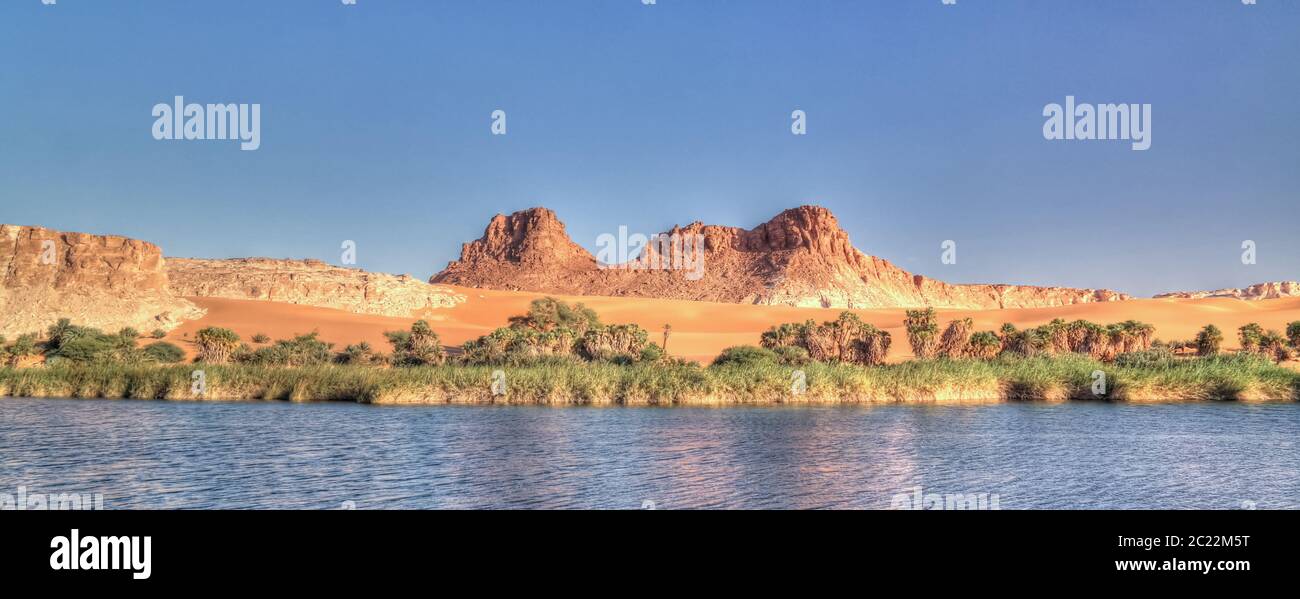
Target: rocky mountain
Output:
[
  {"x": 103, "y": 281},
  {"x": 307, "y": 282},
  {"x": 1258, "y": 291},
  {"x": 799, "y": 258}
]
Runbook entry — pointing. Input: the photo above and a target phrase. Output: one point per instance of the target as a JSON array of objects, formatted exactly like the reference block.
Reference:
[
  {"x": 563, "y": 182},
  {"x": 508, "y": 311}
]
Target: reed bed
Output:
[{"x": 1041, "y": 378}]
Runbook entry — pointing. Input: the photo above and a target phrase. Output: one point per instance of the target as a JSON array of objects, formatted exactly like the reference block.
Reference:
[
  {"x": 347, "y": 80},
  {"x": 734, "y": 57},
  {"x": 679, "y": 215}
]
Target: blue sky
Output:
[{"x": 924, "y": 124}]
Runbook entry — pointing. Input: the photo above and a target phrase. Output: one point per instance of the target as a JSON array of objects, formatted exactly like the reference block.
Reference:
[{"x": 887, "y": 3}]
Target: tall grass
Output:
[{"x": 1060, "y": 377}]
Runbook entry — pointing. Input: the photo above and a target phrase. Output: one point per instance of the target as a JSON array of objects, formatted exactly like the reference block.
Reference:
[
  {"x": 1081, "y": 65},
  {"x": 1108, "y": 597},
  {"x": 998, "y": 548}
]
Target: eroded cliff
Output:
[{"x": 104, "y": 281}]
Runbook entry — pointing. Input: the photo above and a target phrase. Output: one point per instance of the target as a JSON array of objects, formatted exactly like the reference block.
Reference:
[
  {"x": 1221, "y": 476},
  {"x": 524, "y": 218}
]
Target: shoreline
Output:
[{"x": 933, "y": 382}]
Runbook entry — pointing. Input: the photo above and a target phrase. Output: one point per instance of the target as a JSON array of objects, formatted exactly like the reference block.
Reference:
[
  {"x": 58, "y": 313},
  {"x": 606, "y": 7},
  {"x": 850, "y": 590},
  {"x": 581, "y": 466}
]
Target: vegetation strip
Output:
[{"x": 558, "y": 354}]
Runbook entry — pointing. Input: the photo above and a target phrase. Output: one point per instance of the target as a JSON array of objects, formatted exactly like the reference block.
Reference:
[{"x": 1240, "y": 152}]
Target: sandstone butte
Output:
[
  {"x": 103, "y": 281},
  {"x": 799, "y": 258}
]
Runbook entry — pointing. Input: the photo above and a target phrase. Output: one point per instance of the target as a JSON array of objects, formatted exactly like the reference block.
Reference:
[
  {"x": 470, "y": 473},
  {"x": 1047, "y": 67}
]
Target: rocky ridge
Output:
[
  {"x": 1258, "y": 291},
  {"x": 801, "y": 257}
]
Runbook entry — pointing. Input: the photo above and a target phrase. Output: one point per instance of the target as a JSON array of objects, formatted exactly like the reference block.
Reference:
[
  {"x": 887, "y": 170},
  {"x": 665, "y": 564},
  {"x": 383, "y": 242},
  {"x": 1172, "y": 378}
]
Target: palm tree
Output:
[
  {"x": 1077, "y": 332},
  {"x": 60, "y": 332},
  {"x": 1208, "y": 341},
  {"x": 1273, "y": 344},
  {"x": 1250, "y": 336},
  {"x": 1057, "y": 334},
  {"x": 668, "y": 330},
  {"x": 985, "y": 345},
  {"x": 955, "y": 341},
  {"x": 1145, "y": 332},
  {"x": 922, "y": 332},
  {"x": 216, "y": 344}
]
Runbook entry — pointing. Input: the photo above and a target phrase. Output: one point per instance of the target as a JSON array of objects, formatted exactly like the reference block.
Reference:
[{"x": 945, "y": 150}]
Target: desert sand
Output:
[{"x": 702, "y": 329}]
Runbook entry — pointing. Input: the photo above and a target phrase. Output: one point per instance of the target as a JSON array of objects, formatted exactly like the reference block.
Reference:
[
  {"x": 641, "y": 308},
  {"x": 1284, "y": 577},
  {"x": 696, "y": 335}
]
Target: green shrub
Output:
[
  {"x": 1208, "y": 341},
  {"x": 87, "y": 344},
  {"x": 548, "y": 314},
  {"x": 24, "y": 346},
  {"x": 792, "y": 355},
  {"x": 85, "y": 348},
  {"x": 302, "y": 350},
  {"x": 164, "y": 353},
  {"x": 652, "y": 353},
  {"x": 418, "y": 347},
  {"x": 746, "y": 356},
  {"x": 360, "y": 354}
]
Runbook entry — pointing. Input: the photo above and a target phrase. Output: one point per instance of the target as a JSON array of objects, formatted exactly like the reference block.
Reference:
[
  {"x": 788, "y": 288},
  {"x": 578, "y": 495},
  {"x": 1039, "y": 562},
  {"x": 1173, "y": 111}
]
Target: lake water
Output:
[{"x": 147, "y": 454}]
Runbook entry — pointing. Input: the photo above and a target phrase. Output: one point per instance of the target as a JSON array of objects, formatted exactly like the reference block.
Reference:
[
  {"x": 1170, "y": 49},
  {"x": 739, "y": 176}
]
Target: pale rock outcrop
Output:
[
  {"x": 1258, "y": 291},
  {"x": 308, "y": 282}
]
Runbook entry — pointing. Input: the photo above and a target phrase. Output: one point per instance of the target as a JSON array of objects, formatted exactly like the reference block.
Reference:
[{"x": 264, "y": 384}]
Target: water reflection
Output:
[{"x": 264, "y": 455}]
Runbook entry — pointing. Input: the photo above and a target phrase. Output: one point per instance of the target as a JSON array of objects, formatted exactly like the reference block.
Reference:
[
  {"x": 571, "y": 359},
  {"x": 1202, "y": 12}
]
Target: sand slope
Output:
[{"x": 702, "y": 329}]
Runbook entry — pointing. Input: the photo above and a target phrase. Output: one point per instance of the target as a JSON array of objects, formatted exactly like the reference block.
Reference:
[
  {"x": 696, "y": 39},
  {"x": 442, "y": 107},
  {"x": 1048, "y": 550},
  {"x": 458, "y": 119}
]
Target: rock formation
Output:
[
  {"x": 102, "y": 281},
  {"x": 799, "y": 258},
  {"x": 1258, "y": 291},
  {"x": 307, "y": 282}
]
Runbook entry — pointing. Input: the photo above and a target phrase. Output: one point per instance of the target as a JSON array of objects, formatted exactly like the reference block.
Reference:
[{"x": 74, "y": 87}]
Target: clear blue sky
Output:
[{"x": 924, "y": 125}]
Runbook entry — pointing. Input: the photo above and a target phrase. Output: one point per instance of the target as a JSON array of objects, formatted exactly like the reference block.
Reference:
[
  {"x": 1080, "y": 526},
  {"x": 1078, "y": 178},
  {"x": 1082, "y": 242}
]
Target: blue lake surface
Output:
[{"x": 154, "y": 454}]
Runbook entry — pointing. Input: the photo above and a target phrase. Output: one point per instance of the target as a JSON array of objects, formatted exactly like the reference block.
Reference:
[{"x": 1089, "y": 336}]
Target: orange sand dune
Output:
[{"x": 702, "y": 329}]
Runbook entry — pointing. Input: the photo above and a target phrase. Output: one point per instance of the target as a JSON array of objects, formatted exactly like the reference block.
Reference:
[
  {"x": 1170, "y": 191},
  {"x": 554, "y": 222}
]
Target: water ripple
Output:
[{"x": 275, "y": 455}]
